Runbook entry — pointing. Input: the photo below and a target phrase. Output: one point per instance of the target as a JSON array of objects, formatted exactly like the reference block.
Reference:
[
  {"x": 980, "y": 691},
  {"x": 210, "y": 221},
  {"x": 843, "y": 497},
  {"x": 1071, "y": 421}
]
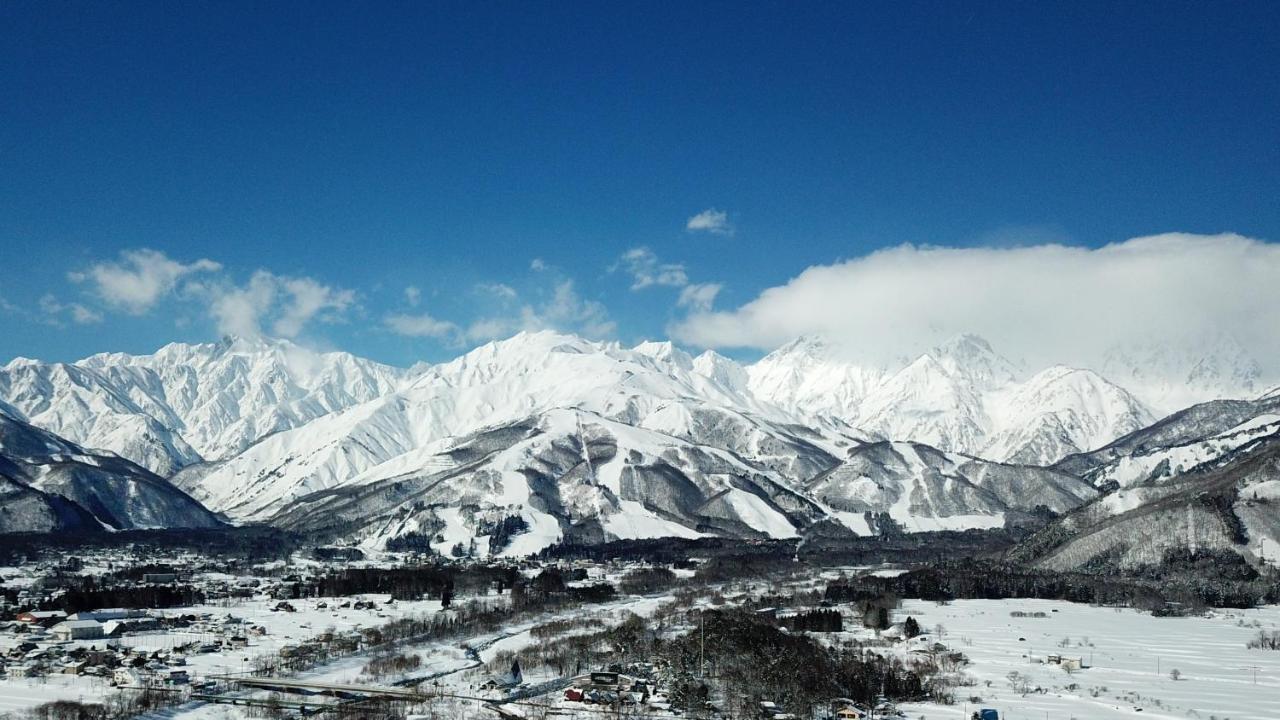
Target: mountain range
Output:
[{"x": 542, "y": 438}]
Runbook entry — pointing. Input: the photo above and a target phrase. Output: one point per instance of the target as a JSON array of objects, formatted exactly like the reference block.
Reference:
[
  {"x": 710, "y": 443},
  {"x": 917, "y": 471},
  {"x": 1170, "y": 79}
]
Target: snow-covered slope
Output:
[
  {"x": 186, "y": 403},
  {"x": 1226, "y": 505},
  {"x": 921, "y": 488},
  {"x": 1179, "y": 443},
  {"x": 569, "y": 476},
  {"x": 1203, "y": 479},
  {"x": 573, "y": 476},
  {"x": 50, "y": 483},
  {"x": 961, "y": 396}
]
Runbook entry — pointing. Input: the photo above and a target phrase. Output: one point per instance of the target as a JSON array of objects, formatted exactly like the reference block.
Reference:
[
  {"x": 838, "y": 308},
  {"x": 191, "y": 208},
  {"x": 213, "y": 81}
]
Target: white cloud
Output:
[
  {"x": 647, "y": 271},
  {"x": 54, "y": 311},
  {"x": 699, "y": 297},
  {"x": 420, "y": 325},
  {"x": 711, "y": 221},
  {"x": 288, "y": 303},
  {"x": 1043, "y": 303},
  {"x": 412, "y": 295},
  {"x": 309, "y": 299},
  {"x": 238, "y": 310},
  {"x": 139, "y": 279},
  {"x": 537, "y": 265}
]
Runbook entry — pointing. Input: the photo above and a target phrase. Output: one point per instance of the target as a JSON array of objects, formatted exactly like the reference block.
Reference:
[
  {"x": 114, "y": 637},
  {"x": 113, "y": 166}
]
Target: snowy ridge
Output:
[
  {"x": 960, "y": 396},
  {"x": 590, "y": 441},
  {"x": 188, "y": 403}
]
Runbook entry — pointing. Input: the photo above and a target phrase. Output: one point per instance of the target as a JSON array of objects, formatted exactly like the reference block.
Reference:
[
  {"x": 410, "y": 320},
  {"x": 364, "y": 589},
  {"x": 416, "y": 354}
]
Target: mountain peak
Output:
[
  {"x": 971, "y": 358},
  {"x": 20, "y": 362},
  {"x": 665, "y": 352},
  {"x": 965, "y": 343}
]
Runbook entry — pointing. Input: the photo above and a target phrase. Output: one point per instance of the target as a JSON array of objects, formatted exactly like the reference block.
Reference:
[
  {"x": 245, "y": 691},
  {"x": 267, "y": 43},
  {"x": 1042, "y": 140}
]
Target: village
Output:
[{"x": 398, "y": 636}]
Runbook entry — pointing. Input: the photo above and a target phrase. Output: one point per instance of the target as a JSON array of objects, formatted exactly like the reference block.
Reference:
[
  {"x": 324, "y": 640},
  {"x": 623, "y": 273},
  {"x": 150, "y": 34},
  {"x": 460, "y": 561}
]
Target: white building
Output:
[{"x": 78, "y": 630}]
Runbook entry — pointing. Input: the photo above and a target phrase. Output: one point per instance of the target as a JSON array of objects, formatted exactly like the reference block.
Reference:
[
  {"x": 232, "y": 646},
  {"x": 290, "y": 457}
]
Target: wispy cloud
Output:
[
  {"x": 55, "y": 312},
  {"x": 139, "y": 278},
  {"x": 711, "y": 221},
  {"x": 562, "y": 309},
  {"x": 698, "y": 297},
  {"x": 646, "y": 270},
  {"x": 412, "y": 295},
  {"x": 287, "y": 304}
]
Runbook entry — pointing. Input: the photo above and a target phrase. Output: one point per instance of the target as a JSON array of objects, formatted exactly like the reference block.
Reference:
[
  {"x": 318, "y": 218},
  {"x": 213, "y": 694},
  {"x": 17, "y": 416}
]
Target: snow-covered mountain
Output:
[
  {"x": 545, "y": 436},
  {"x": 589, "y": 441},
  {"x": 653, "y": 386},
  {"x": 961, "y": 396},
  {"x": 188, "y": 403},
  {"x": 1169, "y": 376},
  {"x": 49, "y": 483}
]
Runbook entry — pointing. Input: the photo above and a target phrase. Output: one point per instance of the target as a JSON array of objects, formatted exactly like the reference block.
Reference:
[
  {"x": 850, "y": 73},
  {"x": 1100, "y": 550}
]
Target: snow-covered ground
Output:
[{"x": 1130, "y": 657}]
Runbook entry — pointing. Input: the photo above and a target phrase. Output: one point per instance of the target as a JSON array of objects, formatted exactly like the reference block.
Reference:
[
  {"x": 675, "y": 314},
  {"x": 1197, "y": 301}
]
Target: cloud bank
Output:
[{"x": 1041, "y": 304}]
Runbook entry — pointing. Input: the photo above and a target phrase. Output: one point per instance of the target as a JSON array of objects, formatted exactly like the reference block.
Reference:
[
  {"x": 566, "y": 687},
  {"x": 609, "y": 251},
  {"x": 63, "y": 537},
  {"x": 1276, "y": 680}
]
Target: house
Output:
[
  {"x": 78, "y": 630},
  {"x": 44, "y": 618},
  {"x": 849, "y": 713},
  {"x": 1070, "y": 664},
  {"x": 159, "y": 578},
  {"x": 74, "y": 667}
]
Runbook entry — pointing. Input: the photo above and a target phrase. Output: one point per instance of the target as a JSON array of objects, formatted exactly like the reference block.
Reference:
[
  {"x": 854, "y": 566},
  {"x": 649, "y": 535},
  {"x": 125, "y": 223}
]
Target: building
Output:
[
  {"x": 78, "y": 630},
  {"x": 42, "y": 617},
  {"x": 116, "y": 628},
  {"x": 160, "y": 578},
  {"x": 108, "y": 614}
]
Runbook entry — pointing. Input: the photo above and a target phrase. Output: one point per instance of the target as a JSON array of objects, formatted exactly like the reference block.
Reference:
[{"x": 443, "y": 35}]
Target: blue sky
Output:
[{"x": 538, "y": 164}]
